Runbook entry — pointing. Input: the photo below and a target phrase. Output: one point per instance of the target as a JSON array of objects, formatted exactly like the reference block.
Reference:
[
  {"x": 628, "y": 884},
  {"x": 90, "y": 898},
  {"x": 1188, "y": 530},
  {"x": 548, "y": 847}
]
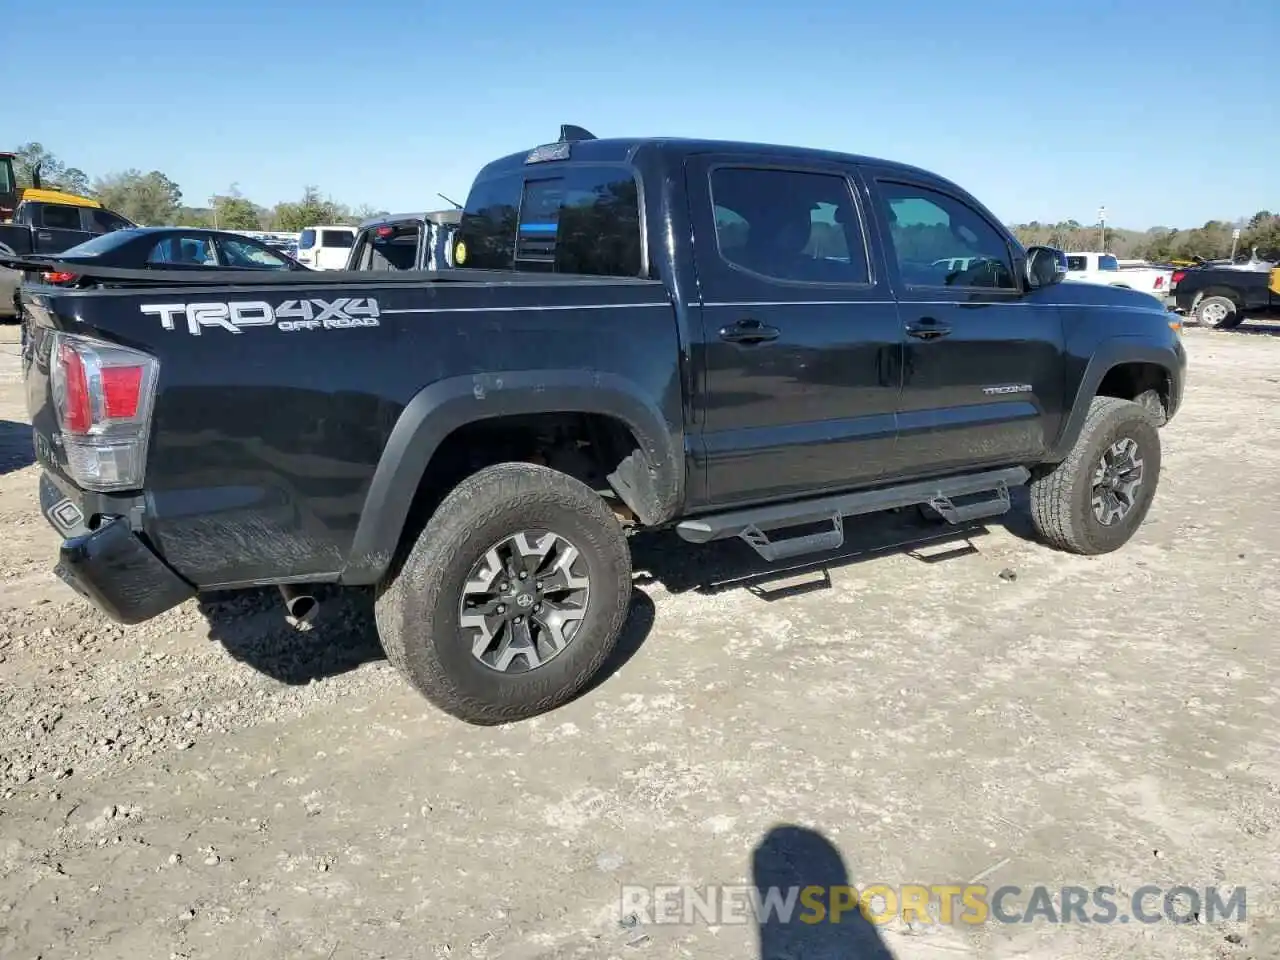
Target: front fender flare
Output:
[
  {"x": 442, "y": 407},
  {"x": 1111, "y": 353}
]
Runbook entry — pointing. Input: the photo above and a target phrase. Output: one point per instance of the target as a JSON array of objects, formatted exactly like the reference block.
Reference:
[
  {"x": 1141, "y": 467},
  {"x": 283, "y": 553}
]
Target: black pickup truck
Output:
[
  {"x": 51, "y": 227},
  {"x": 1223, "y": 297},
  {"x": 727, "y": 339}
]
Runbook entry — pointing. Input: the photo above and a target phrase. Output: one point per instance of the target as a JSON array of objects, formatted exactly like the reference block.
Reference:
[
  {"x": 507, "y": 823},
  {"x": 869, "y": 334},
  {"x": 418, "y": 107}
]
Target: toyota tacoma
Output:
[{"x": 724, "y": 339}]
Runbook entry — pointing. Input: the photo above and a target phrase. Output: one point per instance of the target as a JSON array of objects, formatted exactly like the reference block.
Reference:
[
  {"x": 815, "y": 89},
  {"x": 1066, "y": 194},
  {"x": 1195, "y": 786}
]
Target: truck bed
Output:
[{"x": 285, "y": 401}]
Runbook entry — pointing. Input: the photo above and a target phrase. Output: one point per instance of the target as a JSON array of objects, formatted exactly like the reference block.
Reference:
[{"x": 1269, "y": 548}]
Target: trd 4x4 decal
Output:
[{"x": 289, "y": 316}]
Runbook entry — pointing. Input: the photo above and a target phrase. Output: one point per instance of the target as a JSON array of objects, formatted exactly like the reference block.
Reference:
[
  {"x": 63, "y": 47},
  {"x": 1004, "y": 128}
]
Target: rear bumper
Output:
[{"x": 110, "y": 565}]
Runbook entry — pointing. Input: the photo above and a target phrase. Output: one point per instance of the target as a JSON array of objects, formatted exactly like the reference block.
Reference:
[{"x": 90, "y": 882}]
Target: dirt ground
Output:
[{"x": 217, "y": 784}]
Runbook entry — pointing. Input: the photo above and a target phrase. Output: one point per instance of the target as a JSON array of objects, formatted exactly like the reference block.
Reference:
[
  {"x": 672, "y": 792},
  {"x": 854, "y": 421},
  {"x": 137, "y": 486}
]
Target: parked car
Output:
[
  {"x": 1223, "y": 296},
  {"x": 655, "y": 342},
  {"x": 1105, "y": 268},
  {"x": 168, "y": 249},
  {"x": 325, "y": 247},
  {"x": 406, "y": 241}
]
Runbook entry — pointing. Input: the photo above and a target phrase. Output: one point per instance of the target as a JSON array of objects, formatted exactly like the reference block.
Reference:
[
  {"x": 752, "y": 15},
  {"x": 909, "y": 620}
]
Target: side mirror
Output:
[{"x": 1045, "y": 266}]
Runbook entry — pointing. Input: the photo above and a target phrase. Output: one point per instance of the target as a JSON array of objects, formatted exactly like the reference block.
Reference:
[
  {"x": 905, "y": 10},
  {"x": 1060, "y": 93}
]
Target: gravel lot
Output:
[{"x": 216, "y": 784}]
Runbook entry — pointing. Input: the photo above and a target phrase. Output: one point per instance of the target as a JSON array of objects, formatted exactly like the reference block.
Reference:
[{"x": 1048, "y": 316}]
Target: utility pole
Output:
[
  {"x": 1235, "y": 238},
  {"x": 213, "y": 202},
  {"x": 1102, "y": 229}
]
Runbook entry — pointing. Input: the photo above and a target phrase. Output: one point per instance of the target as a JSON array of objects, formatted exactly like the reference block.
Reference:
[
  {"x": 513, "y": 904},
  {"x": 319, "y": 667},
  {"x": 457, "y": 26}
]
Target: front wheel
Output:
[
  {"x": 512, "y": 598},
  {"x": 1095, "y": 500}
]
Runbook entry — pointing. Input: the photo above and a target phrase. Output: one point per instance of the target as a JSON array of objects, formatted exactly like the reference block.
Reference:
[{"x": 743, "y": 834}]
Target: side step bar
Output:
[{"x": 752, "y": 523}]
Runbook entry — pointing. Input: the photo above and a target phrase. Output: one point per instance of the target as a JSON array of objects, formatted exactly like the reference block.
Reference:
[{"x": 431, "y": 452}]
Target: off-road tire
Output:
[
  {"x": 1233, "y": 318},
  {"x": 417, "y": 609},
  {"x": 1150, "y": 401},
  {"x": 1062, "y": 498}
]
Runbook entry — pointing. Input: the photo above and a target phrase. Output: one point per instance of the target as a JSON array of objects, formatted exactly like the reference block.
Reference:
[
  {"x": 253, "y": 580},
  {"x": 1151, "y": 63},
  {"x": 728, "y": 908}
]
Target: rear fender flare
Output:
[
  {"x": 442, "y": 407},
  {"x": 1109, "y": 354}
]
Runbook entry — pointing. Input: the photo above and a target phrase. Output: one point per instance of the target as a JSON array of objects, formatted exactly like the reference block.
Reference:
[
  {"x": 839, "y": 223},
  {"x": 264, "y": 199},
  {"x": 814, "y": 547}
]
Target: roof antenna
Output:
[
  {"x": 569, "y": 133},
  {"x": 455, "y": 203}
]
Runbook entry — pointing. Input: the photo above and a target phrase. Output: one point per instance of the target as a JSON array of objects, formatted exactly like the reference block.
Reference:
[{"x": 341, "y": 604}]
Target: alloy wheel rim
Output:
[
  {"x": 1117, "y": 479},
  {"x": 524, "y": 600}
]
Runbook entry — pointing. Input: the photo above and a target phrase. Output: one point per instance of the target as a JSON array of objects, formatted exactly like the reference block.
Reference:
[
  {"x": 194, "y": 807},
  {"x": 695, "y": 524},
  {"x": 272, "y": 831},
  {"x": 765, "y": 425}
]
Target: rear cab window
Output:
[
  {"x": 580, "y": 219},
  {"x": 56, "y": 217}
]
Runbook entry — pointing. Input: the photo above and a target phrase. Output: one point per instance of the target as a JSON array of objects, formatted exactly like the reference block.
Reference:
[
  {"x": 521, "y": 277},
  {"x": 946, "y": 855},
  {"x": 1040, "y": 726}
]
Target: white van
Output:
[{"x": 325, "y": 247}]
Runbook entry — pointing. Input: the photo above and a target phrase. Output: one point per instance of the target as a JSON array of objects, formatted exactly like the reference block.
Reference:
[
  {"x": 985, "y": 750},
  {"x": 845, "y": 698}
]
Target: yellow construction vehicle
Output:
[{"x": 11, "y": 194}]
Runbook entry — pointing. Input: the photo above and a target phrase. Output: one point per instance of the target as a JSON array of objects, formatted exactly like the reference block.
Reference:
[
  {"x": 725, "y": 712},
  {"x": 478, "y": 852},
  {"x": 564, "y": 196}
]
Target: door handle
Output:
[
  {"x": 749, "y": 331},
  {"x": 44, "y": 235},
  {"x": 927, "y": 329}
]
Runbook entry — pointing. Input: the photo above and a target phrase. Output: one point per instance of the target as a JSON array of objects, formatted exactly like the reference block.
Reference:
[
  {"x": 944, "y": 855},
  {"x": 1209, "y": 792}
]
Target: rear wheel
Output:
[
  {"x": 512, "y": 598},
  {"x": 1217, "y": 312},
  {"x": 1094, "y": 500}
]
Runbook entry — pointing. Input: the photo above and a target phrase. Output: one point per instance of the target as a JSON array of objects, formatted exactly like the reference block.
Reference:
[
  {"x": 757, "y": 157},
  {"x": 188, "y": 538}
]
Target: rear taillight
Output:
[
  {"x": 57, "y": 276},
  {"x": 103, "y": 394},
  {"x": 1177, "y": 277}
]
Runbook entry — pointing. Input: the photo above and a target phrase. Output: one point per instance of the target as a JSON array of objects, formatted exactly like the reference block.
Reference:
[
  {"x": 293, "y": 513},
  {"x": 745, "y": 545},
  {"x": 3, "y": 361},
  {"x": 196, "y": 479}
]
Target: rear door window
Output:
[
  {"x": 243, "y": 255},
  {"x": 306, "y": 240},
  {"x": 55, "y": 217},
  {"x": 184, "y": 252},
  {"x": 798, "y": 226}
]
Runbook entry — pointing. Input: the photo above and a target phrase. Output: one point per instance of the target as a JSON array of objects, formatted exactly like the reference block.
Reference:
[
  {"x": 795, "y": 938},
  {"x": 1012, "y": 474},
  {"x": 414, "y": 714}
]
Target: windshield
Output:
[
  {"x": 100, "y": 244},
  {"x": 6, "y": 177}
]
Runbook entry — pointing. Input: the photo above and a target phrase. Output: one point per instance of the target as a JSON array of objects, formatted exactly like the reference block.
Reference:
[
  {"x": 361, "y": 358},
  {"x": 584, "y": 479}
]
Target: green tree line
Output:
[
  {"x": 154, "y": 199},
  {"x": 1161, "y": 244}
]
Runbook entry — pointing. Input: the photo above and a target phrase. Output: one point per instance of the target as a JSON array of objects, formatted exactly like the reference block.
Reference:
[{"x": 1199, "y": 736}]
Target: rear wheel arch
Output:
[
  {"x": 445, "y": 415},
  {"x": 1228, "y": 292}
]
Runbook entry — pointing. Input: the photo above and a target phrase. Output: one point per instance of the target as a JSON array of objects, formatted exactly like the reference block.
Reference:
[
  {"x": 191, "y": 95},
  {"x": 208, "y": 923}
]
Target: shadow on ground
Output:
[
  {"x": 17, "y": 449},
  {"x": 730, "y": 564},
  {"x": 791, "y": 858},
  {"x": 252, "y": 626},
  {"x": 1257, "y": 328}
]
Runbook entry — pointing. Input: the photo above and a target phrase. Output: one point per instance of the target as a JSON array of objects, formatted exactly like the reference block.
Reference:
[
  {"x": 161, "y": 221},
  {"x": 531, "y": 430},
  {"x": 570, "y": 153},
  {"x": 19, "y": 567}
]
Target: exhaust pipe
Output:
[{"x": 301, "y": 604}]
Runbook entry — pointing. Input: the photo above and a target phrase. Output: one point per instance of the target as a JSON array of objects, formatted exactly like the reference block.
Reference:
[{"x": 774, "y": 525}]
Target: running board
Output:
[{"x": 752, "y": 523}]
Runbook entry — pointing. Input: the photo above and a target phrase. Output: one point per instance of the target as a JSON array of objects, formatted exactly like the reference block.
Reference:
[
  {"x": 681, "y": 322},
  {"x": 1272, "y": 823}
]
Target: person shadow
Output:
[{"x": 789, "y": 858}]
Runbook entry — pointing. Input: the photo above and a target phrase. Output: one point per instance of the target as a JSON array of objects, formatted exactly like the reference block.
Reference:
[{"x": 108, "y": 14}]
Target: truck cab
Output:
[{"x": 1106, "y": 268}]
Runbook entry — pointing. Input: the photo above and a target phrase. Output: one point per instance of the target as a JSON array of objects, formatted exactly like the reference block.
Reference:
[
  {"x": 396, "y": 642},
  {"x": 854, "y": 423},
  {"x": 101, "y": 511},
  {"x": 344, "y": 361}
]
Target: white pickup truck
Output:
[{"x": 1105, "y": 268}]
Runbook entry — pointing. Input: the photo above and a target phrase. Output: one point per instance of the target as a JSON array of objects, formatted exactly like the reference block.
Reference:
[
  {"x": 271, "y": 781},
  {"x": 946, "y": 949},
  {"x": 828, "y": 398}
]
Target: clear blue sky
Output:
[{"x": 1164, "y": 112}]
